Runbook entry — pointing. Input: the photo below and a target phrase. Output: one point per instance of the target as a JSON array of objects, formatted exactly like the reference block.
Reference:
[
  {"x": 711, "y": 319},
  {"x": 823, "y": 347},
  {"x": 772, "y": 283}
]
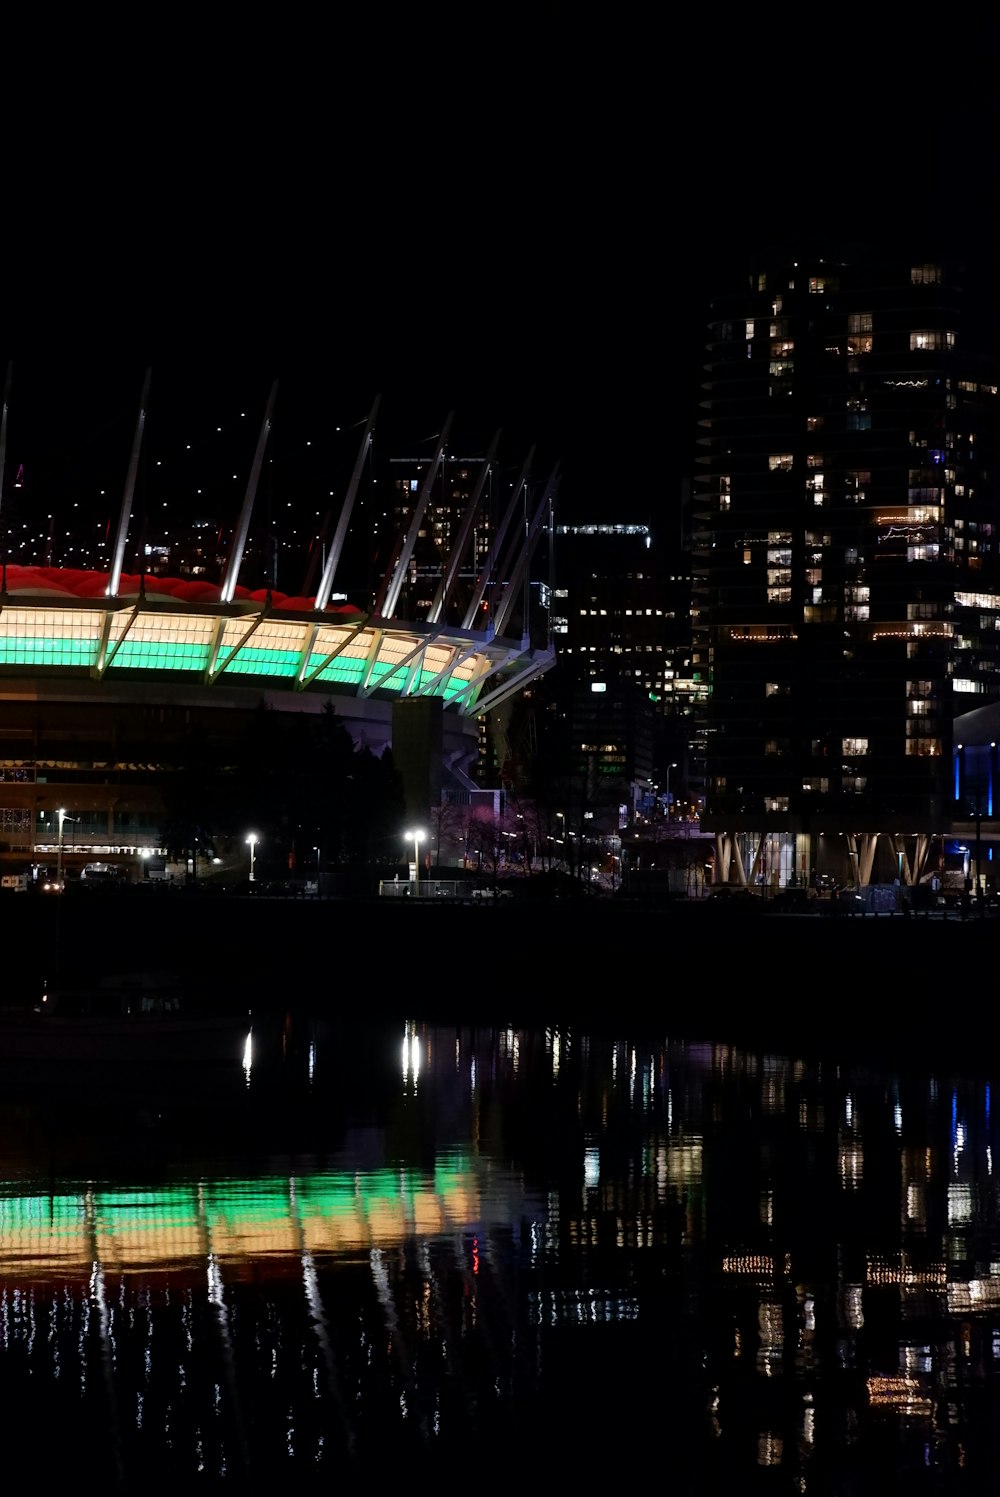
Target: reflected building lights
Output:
[
  {"x": 665, "y": 1191},
  {"x": 851, "y": 1307},
  {"x": 852, "y": 1165},
  {"x": 904, "y": 1395},
  {"x": 591, "y": 1167},
  {"x": 411, "y": 1056},
  {"x": 770, "y": 1449}
]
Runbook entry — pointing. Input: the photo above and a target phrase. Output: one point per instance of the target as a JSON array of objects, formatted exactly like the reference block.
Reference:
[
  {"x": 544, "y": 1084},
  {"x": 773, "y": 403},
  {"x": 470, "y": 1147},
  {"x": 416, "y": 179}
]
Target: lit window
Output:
[
  {"x": 923, "y": 610},
  {"x": 780, "y": 462},
  {"x": 925, "y": 275},
  {"x": 931, "y": 340},
  {"x": 854, "y": 746}
]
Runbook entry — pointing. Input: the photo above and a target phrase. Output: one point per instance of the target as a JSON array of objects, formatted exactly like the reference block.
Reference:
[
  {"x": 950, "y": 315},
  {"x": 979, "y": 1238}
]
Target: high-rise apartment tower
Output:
[{"x": 846, "y": 527}]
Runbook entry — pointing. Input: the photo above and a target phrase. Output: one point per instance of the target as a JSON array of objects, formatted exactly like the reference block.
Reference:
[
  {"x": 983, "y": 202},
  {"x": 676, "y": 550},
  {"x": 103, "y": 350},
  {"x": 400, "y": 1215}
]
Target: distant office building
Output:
[
  {"x": 847, "y": 582},
  {"x": 446, "y": 491},
  {"x": 622, "y": 687}
]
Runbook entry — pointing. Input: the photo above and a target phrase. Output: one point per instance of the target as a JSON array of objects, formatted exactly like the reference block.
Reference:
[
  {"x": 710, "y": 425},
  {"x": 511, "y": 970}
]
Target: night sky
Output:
[{"x": 521, "y": 221}]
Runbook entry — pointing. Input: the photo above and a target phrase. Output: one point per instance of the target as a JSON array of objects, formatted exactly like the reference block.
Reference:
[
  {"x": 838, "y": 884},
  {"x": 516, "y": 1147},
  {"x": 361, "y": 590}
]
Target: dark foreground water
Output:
[{"x": 503, "y": 1257}]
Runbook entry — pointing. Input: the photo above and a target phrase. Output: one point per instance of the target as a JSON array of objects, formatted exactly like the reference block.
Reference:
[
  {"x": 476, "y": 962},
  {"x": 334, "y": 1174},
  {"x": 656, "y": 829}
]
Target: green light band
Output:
[
  {"x": 48, "y": 652},
  {"x": 236, "y": 1202},
  {"x": 160, "y": 655}
]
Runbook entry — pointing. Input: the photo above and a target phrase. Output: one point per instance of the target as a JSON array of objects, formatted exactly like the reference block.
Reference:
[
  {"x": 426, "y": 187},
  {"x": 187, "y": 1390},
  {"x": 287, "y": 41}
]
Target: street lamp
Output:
[
  {"x": 62, "y": 817},
  {"x": 417, "y": 837},
  {"x": 669, "y": 768},
  {"x": 252, "y": 841}
]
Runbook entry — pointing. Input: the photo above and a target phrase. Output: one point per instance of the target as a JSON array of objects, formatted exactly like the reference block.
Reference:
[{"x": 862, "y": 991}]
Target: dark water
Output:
[{"x": 506, "y": 1257}]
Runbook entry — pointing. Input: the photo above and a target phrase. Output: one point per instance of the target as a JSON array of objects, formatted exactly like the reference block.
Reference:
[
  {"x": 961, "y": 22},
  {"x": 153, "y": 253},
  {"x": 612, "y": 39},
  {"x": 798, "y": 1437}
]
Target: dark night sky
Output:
[{"x": 521, "y": 225}]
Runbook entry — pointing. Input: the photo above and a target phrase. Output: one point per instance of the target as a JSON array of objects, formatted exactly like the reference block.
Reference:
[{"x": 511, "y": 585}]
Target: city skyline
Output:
[{"x": 528, "y": 234}]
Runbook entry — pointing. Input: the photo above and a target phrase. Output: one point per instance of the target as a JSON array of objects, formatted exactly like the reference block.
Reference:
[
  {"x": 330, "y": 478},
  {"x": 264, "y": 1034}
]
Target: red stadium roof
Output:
[{"x": 70, "y": 582}]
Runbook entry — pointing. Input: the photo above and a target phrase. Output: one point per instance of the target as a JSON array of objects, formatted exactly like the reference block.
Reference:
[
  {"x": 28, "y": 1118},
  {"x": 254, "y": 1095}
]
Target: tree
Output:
[{"x": 294, "y": 778}]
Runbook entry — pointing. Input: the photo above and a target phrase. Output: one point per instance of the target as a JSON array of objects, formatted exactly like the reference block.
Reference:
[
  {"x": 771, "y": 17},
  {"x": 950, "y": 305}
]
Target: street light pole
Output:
[
  {"x": 252, "y": 840},
  {"x": 417, "y": 835},
  {"x": 62, "y": 817},
  {"x": 669, "y": 768}
]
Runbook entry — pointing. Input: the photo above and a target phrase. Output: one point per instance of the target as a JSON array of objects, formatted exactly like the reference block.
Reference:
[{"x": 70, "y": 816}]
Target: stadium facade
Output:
[{"x": 99, "y": 670}]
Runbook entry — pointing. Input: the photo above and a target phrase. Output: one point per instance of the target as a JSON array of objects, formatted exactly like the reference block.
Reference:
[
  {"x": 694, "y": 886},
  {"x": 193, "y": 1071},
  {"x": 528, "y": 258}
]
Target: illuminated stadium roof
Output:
[
  {"x": 60, "y": 624},
  {"x": 59, "y": 621}
]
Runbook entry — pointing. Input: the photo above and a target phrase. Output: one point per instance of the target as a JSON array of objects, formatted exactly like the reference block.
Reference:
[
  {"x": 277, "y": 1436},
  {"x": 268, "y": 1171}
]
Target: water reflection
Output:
[{"x": 415, "y": 1245}]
